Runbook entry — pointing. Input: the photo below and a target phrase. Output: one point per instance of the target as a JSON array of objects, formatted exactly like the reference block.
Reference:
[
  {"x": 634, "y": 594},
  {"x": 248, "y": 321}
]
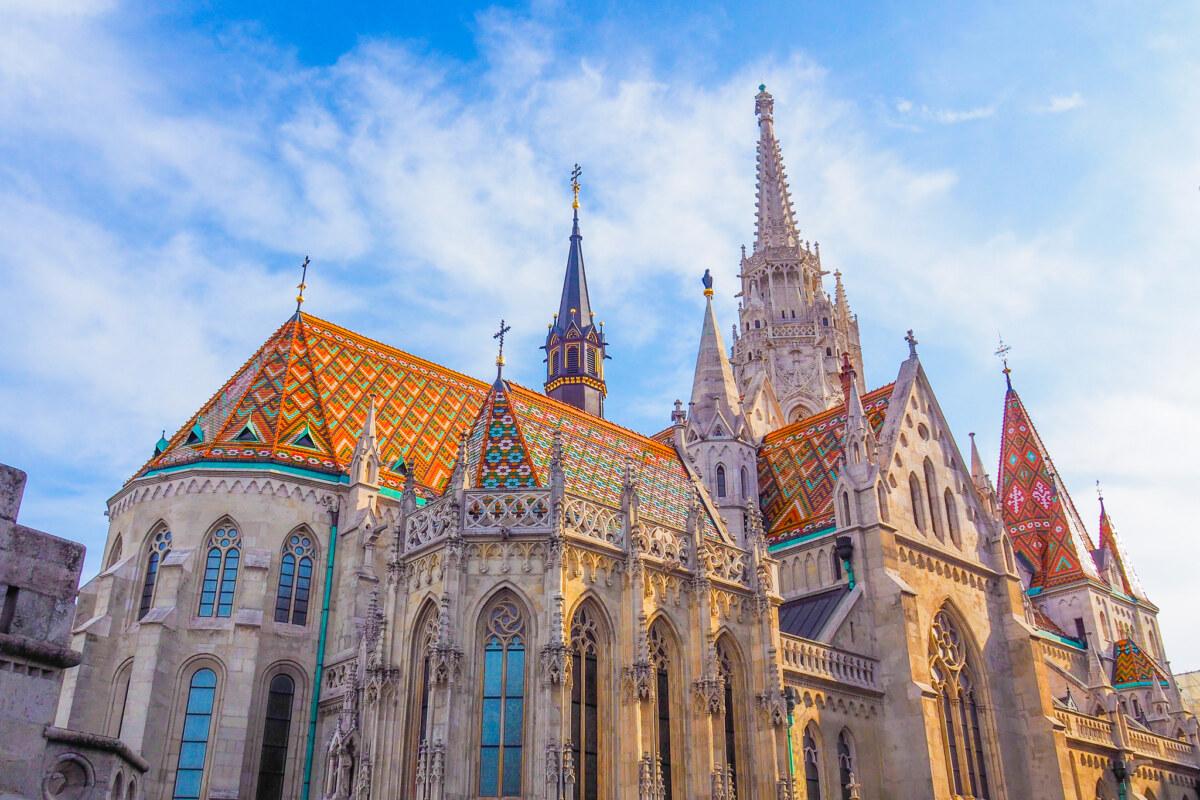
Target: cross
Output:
[
  {"x": 302, "y": 285},
  {"x": 575, "y": 173},
  {"x": 500, "y": 335},
  {"x": 1002, "y": 354},
  {"x": 912, "y": 342}
]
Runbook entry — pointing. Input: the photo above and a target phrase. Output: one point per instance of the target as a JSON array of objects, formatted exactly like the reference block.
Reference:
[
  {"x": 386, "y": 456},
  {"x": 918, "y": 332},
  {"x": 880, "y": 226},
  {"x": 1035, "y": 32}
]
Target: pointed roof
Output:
[
  {"x": 504, "y": 461},
  {"x": 1110, "y": 547},
  {"x": 1132, "y": 668},
  {"x": 305, "y": 394},
  {"x": 1046, "y": 531},
  {"x": 776, "y": 222},
  {"x": 575, "y": 303},
  {"x": 798, "y": 468},
  {"x": 714, "y": 391}
]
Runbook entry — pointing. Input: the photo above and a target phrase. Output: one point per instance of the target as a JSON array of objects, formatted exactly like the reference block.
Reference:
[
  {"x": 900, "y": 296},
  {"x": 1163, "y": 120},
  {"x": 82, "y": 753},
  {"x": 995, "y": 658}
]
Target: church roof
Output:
[
  {"x": 1037, "y": 511},
  {"x": 798, "y": 467},
  {"x": 1111, "y": 547},
  {"x": 1132, "y": 667},
  {"x": 301, "y": 400},
  {"x": 806, "y": 616}
]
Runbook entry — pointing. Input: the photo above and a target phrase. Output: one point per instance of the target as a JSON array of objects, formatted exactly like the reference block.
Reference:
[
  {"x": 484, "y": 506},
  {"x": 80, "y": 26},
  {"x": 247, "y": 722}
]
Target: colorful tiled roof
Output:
[
  {"x": 797, "y": 468},
  {"x": 1046, "y": 531},
  {"x": 1110, "y": 543},
  {"x": 302, "y": 398},
  {"x": 504, "y": 459},
  {"x": 1132, "y": 667}
]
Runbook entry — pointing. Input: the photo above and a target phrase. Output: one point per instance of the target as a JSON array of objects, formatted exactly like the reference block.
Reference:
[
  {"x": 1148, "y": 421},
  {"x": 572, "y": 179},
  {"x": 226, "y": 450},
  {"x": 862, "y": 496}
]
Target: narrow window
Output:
[
  {"x": 846, "y": 508},
  {"x": 931, "y": 495},
  {"x": 585, "y": 692},
  {"x": 193, "y": 745},
  {"x": 276, "y": 726},
  {"x": 9, "y": 612},
  {"x": 845, "y": 765},
  {"x": 720, "y": 480},
  {"x": 883, "y": 501},
  {"x": 812, "y": 766},
  {"x": 837, "y": 566},
  {"x": 952, "y": 517},
  {"x": 160, "y": 545},
  {"x": 952, "y": 675},
  {"x": 572, "y": 359},
  {"x": 419, "y": 701},
  {"x": 503, "y": 717},
  {"x": 743, "y": 477},
  {"x": 295, "y": 580},
  {"x": 220, "y": 573},
  {"x": 591, "y": 360},
  {"x": 554, "y": 362},
  {"x": 114, "y": 554},
  {"x": 120, "y": 699},
  {"x": 756, "y": 323},
  {"x": 725, "y": 671},
  {"x": 914, "y": 494},
  {"x": 660, "y": 659}
]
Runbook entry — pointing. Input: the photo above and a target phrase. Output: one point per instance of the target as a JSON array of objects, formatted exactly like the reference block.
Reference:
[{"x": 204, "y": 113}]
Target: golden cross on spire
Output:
[
  {"x": 500, "y": 335},
  {"x": 302, "y": 285},
  {"x": 575, "y": 173}
]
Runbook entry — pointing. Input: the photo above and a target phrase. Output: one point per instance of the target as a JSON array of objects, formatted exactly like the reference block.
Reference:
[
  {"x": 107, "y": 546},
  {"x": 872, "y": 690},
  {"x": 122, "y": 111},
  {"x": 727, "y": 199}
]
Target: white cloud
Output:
[{"x": 1058, "y": 104}]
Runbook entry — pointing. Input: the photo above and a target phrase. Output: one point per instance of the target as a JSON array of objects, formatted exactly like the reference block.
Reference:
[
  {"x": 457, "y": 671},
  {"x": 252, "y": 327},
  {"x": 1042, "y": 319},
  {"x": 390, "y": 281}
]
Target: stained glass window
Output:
[
  {"x": 272, "y": 765},
  {"x": 503, "y": 706},
  {"x": 295, "y": 579},
  {"x": 193, "y": 744},
  {"x": 220, "y": 573},
  {"x": 961, "y": 714},
  {"x": 720, "y": 480},
  {"x": 160, "y": 545},
  {"x": 585, "y": 691}
]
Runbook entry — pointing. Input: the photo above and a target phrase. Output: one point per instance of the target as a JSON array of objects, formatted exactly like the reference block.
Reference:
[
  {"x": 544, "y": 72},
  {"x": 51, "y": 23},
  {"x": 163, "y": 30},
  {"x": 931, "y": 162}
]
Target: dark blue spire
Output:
[{"x": 574, "y": 305}]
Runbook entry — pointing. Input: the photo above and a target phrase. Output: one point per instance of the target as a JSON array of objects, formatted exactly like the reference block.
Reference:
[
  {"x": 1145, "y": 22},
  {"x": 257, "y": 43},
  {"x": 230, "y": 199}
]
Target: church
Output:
[{"x": 355, "y": 573}]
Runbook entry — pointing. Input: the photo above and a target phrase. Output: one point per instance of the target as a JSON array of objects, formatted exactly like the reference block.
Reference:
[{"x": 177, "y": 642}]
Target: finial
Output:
[
  {"x": 302, "y": 285},
  {"x": 762, "y": 87},
  {"x": 500, "y": 355},
  {"x": 677, "y": 416},
  {"x": 912, "y": 343},
  {"x": 1100, "y": 494},
  {"x": 575, "y": 173},
  {"x": 706, "y": 279},
  {"x": 1002, "y": 354}
]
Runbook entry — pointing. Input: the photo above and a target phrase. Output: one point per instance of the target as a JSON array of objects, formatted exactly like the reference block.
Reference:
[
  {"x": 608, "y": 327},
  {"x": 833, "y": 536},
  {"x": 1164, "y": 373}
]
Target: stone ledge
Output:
[
  {"x": 94, "y": 741},
  {"x": 42, "y": 653}
]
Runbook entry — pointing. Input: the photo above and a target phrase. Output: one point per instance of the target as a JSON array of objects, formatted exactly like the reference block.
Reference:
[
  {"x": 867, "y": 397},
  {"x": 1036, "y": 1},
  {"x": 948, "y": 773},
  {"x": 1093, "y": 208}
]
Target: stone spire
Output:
[
  {"x": 776, "y": 219},
  {"x": 714, "y": 392},
  {"x": 575, "y": 345},
  {"x": 979, "y": 476},
  {"x": 364, "y": 463},
  {"x": 859, "y": 442}
]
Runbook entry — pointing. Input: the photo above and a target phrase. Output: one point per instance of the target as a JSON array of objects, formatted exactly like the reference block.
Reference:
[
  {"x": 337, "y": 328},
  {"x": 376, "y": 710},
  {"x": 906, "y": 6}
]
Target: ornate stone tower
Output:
[
  {"x": 791, "y": 334},
  {"x": 575, "y": 345}
]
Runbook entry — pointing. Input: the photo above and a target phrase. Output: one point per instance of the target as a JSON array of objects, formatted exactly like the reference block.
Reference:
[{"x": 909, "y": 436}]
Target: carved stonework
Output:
[
  {"x": 636, "y": 680},
  {"x": 445, "y": 663},
  {"x": 774, "y": 707},
  {"x": 555, "y": 658},
  {"x": 783, "y": 789},
  {"x": 710, "y": 694}
]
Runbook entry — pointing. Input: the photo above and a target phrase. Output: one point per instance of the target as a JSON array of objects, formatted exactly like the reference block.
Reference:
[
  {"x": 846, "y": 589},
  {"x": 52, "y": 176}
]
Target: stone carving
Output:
[
  {"x": 591, "y": 520},
  {"x": 507, "y": 511},
  {"x": 430, "y": 523},
  {"x": 667, "y": 545}
]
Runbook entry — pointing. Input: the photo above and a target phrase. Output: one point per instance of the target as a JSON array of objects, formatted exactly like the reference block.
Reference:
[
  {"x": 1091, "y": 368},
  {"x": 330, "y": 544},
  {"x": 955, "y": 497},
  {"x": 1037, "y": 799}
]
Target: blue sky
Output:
[{"x": 1025, "y": 168}]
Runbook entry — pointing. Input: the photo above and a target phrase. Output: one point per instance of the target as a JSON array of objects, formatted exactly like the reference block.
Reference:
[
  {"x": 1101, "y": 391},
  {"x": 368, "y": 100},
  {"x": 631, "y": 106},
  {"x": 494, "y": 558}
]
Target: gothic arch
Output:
[
  {"x": 118, "y": 698},
  {"x": 668, "y": 668},
  {"x": 477, "y": 610},
  {"x": 732, "y": 669},
  {"x": 183, "y": 688},
  {"x": 505, "y": 621},
  {"x": 265, "y": 750},
  {"x": 420, "y": 675},
  {"x": 592, "y": 694},
  {"x": 115, "y": 551}
]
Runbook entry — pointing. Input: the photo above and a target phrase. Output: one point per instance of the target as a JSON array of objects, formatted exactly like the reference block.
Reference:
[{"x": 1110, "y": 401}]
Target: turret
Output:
[{"x": 575, "y": 345}]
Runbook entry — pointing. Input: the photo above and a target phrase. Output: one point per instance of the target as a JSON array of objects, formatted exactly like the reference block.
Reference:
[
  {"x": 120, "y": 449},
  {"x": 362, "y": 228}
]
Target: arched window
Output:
[
  {"x": 812, "y": 766},
  {"x": 422, "y": 687},
  {"x": 160, "y": 545},
  {"x": 502, "y": 727},
  {"x": 295, "y": 579},
  {"x": 114, "y": 553},
  {"x": 554, "y": 362},
  {"x": 725, "y": 672},
  {"x": 881, "y": 492},
  {"x": 935, "y": 518},
  {"x": 963, "y": 733},
  {"x": 660, "y": 660},
  {"x": 952, "y": 517},
  {"x": 743, "y": 476},
  {"x": 720, "y": 480},
  {"x": 845, "y": 755},
  {"x": 914, "y": 494},
  {"x": 220, "y": 572},
  {"x": 276, "y": 725},
  {"x": 837, "y": 565},
  {"x": 846, "y": 509},
  {"x": 591, "y": 360},
  {"x": 585, "y": 704},
  {"x": 193, "y": 744},
  {"x": 572, "y": 359},
  {"x": 120, "y": 699}
]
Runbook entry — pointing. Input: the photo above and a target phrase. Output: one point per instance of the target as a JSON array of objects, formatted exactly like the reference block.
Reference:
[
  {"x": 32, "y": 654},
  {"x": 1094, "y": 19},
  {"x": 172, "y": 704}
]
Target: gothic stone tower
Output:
[
  {"x": 791, "y": 335},
  {"x": 575, "y": 345}
]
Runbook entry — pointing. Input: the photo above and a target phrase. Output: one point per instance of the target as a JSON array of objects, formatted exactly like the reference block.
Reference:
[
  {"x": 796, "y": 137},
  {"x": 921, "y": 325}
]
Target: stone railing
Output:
[
  {"x": 668, "y": 545},
  {"x": 1088, "y": 728},
  {"x": 1165, "y": 748},
  {"x": 512, "y": 511},
  {"x": 430, "y": 523},
  {"x": 1098, "y": 730},
  {"x": 813, "y": 659},
  {"x": 805, "y": 329},
  {"x": 592, "y": 521},
  {"x": 726, "y": 562}
]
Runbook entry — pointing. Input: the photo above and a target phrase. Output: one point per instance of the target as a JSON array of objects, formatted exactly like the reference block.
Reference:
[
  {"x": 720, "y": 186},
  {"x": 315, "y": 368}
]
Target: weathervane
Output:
[
  {"x": 500, "y": 355},
  {"x": 1002, "y": 354},
  {"x": 302, "y": 285},
  {"x": 575, "y": 173}
]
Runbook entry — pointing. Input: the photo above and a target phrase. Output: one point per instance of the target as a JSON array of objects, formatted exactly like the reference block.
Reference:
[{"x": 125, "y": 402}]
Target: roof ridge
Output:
[{"x": 828, "y": 413}]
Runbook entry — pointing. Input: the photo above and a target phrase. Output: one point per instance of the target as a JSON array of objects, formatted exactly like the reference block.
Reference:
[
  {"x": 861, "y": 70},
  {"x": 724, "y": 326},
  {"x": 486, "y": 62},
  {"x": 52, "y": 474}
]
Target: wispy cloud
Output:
[
  {"x": 945, "y": 116},
  {"x": 1058, "y": 104}
]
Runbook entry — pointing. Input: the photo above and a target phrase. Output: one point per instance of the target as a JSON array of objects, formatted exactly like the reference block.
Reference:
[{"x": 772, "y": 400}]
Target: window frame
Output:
[
  {"x": 228, "y": 530},
  {"x": 187, "y": 685},
  {"x": 514, "y": 628}
]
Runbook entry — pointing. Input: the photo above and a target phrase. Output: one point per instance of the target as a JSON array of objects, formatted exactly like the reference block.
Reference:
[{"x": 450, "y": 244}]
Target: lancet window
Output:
[
  {"x": 935, "y": 518},
  {"x": 422, "y": 686},
  {"x": 276, "y": 727},
  {"x": 720, "y": 480},
  {"x": 845, "y": 754},
  {"x": 193, "y": 744},
  {"x": 660, "y": 661},
  {"x": 725, "y": 671},
  {"x": 295, "y": 579},
  {"x": 952, "y": 518},
  {"x": 159, "y": 546},
  {"x": 960, "y": 709},
  {"x": 585, "y": 704},
  {"x": 220, "y": 572},
  {"x": 914, "y": 494},
  {"x": 503, "y": 706},
  {"x": 812, "y": 765}
]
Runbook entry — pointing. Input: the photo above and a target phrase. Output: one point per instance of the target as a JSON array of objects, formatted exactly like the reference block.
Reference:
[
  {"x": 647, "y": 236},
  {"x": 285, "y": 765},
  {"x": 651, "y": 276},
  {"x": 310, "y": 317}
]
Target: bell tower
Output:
[{"x": 575, "y": 345}]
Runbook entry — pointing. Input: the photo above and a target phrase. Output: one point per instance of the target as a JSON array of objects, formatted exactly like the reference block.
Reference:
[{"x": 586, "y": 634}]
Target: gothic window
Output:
[
  {"x": 883, "y": 501},
  {"x": 193, "y": 744},
  {"x": 914, "y": 494},
  {"x": 829, "y": 351},
  {"x": 931, "y": 495},
  {"x": 825, "y": 322},
  {"x": 554, "y": 362},
  {"x": 114, "y": 554},
  {"x": 585, "y": 711},
  {"x": 812, "y": 766},
  {"x": 845, "y": 755},
  {"x": 503, "y": 717},
  {"x": 837, "y": 566},
  {"x": 960, "y": 711},
  {"x": 422, "y": 686},
  {"x": 591, "y": 360},
  {"x": 756, "y": 323},
  {"x": 572, "y": 359},
  {"x": 720, "y": 480},
  {"x": 160, "y": 545},
  {"x": 272, "y": 764},
  {"x": 952, "y": 518},
  {"x": 660, "y": 662},
  {"x": 726, "y": 673},
  {"x": 846, "y": 508},
  {"x": 295, "y": 579},
  {"x": 745, "y": 483},
  {"x": 220, "y": 572},
  {"x": 793, "y": 313},
  {"x": 120, "y": 699}
]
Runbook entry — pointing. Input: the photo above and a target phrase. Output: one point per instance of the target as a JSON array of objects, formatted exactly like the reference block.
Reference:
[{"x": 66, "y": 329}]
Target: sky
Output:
[{"x": 1024, "y": 169}]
